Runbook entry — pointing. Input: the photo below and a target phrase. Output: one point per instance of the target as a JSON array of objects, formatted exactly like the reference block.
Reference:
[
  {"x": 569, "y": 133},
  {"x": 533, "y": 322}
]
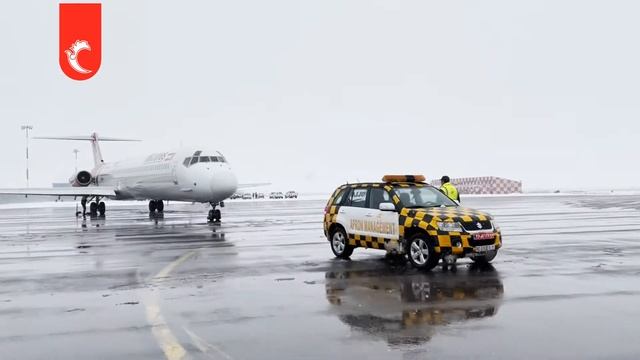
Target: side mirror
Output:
[{"x": 387, "y": 206}]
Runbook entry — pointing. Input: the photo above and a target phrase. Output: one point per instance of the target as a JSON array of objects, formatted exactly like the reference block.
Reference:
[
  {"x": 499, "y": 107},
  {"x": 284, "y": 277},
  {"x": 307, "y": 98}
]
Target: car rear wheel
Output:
[
  {"x": 421, "y": 252},
  {"x": 485, "y": 258},
  {"x": 340, "y": 244}
]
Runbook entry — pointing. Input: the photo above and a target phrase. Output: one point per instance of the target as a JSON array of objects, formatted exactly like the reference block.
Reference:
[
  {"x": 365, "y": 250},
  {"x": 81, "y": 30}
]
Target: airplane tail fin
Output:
[{"x": 95, "y": 143}]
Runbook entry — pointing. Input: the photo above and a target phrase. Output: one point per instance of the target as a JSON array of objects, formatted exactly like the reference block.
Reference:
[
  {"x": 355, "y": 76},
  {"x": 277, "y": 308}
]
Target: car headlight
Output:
[{"x": 450, "y": 226}]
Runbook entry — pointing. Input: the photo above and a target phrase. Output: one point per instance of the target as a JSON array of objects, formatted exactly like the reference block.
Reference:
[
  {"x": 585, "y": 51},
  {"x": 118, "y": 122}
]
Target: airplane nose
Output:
[{"x": 223, "y": 183}]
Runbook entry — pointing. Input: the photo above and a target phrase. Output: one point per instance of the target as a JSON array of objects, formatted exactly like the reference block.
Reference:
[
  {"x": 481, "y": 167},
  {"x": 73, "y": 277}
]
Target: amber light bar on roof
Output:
[{"x": 403, "y": 178}]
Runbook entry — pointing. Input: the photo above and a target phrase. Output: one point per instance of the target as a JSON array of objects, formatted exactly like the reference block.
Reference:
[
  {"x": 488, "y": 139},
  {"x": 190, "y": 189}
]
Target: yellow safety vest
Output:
[{"x": 451, "y": 191}]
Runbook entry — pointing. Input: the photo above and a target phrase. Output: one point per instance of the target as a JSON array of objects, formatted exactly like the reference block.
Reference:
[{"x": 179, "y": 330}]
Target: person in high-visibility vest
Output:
[{"x": 448, "y": 189}]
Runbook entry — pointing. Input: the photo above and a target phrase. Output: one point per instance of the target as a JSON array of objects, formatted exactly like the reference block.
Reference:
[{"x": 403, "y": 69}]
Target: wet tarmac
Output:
[{"x": 264, "y": 285}]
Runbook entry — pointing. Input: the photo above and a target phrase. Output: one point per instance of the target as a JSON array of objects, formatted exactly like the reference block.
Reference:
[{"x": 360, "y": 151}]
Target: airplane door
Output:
[{"x": 174, "y": 174}]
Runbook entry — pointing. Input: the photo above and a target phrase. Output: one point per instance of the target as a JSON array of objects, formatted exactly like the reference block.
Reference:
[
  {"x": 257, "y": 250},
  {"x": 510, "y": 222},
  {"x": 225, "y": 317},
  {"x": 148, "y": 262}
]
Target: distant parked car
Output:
[
  {"x": 260, "y": 195},
  {"x": 247, "y": 196},
  {"x": 236, "y": 196},
  {"x": 291, "y": 195},
  {"x": 276, "y": 195}
]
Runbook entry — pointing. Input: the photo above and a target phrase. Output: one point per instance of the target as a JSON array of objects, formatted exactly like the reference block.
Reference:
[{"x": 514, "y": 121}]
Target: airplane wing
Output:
[
  {"x": 63, "y": 191},
  {"x": 252, "y": 185}
]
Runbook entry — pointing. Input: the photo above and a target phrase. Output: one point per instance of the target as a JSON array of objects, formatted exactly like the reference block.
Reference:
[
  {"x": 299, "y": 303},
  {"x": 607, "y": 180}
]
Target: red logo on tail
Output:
[{"x": 80, "y": 40}]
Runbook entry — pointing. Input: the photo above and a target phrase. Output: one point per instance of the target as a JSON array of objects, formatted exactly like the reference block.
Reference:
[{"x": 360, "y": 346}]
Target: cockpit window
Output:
[
  {"x": 218, "y": 159},
  {"x": 196, "y": 159}
]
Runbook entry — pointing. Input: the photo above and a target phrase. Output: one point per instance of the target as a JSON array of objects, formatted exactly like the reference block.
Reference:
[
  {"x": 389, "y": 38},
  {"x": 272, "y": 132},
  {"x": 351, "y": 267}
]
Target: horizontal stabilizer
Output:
[
  {"x": 63, "y": 191},
  {"x": 95, "y": 147},
  {"x": 82, "y": 138}
]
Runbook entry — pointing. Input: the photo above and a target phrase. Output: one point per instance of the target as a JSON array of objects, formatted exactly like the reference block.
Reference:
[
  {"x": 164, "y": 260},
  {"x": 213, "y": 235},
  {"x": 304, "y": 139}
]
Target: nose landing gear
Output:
[
  {"x": 156, "y": 205},
  {"x": 214, "y": 214}
]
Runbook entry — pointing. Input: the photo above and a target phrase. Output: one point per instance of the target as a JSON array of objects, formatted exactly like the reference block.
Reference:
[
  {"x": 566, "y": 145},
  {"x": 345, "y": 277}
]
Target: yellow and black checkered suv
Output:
[{"x": 403, "y": 215}]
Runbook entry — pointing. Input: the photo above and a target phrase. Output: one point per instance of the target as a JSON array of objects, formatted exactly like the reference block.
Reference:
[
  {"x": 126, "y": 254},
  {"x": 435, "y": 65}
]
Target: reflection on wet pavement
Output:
[
  {"x": 264, "y": 284},
  {"x": 406, "y": 307}
]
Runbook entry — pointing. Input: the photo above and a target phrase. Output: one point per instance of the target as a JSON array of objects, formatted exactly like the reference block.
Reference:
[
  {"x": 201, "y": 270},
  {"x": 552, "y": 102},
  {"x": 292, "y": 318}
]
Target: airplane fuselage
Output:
[{"x": 181, "y": 175}]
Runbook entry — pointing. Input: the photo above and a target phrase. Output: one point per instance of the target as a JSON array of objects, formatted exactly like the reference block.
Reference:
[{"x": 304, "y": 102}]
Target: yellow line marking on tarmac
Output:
[
  {"x": 204, "y": 346},
  {"x": 159, "y": 327}
]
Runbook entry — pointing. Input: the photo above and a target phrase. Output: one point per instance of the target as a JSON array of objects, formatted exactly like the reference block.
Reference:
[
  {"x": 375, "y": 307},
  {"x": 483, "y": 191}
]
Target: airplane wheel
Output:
[
  {"x": 93, "y": 208},
  {"x": 159, "y": 205},
  {"x": 152, "y": 206},
  {"x": 214, "y": 215},
  {"x": 102, "y": 208}
]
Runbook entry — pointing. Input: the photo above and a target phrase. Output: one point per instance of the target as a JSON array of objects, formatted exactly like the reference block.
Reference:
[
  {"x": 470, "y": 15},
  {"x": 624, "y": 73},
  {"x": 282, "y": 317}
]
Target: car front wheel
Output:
[
  {"x": 421, "y": 252},
  {"x": 340, "y": 244}
]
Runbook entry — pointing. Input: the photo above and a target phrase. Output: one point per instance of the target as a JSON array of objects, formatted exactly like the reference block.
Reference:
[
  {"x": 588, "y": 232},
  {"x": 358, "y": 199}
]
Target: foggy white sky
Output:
[{"x": 310, "y": 94}]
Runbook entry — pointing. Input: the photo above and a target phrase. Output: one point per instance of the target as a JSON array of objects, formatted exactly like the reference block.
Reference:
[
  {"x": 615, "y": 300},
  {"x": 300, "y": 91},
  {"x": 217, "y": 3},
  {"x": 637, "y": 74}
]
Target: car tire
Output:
[
  {"x": 340, "y": 244},
  {"x": 421, "y": 252},
  {"x": 485, "y": 259}
]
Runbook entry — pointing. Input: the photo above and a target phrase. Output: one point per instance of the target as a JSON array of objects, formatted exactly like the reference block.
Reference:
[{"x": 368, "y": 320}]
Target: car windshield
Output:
[{"x": 422, "y": 197}]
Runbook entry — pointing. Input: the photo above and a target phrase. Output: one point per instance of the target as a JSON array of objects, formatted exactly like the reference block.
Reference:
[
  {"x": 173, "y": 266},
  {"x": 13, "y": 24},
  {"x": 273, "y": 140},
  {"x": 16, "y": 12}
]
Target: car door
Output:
[
  {"x": 384, "y": 224},
  {"x": 353, "y": 212}
]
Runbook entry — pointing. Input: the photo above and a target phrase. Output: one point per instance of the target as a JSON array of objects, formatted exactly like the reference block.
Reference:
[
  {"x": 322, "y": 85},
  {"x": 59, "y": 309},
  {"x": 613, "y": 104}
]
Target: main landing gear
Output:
[
  {"x": 156, "y": 205},
  {"x": 96, "y": 207},
  {"x": 214, "y": 214}
]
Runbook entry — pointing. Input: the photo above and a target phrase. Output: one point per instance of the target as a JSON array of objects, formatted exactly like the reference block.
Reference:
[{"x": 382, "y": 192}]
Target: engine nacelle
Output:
[{"x": 82, "y": 178}]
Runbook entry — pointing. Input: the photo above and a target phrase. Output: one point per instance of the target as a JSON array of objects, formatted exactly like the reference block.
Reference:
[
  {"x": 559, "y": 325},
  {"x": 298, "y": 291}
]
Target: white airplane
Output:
[{"x": 187, "y": 174}]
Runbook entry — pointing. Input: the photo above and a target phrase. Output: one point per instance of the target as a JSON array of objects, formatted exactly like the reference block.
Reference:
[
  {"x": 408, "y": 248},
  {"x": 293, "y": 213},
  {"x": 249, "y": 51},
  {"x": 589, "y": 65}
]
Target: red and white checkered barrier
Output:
[{"x": 484, "y": 185}]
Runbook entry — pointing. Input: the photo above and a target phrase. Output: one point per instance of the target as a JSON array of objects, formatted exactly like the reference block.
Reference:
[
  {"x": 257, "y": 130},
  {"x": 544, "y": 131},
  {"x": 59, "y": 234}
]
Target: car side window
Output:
[
  {"x": 358, "y": 198},
  {"x": 378, "y": 196},
  {"x": 338, "y": 199}
]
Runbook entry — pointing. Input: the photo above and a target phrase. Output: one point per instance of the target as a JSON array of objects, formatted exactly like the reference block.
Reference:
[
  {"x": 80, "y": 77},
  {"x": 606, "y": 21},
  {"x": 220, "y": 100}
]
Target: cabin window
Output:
[
  {"x": 194, "y": 160},
  {"x": 204, "y": 159},
  {"x": 186, "y": 162}
]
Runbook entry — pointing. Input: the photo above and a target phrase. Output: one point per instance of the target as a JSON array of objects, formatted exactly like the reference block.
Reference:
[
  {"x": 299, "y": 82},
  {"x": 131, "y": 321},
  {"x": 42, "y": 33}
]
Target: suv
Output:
[
  {"x": 405, "y": 216},
  {"x": 291, "y": 195}
]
